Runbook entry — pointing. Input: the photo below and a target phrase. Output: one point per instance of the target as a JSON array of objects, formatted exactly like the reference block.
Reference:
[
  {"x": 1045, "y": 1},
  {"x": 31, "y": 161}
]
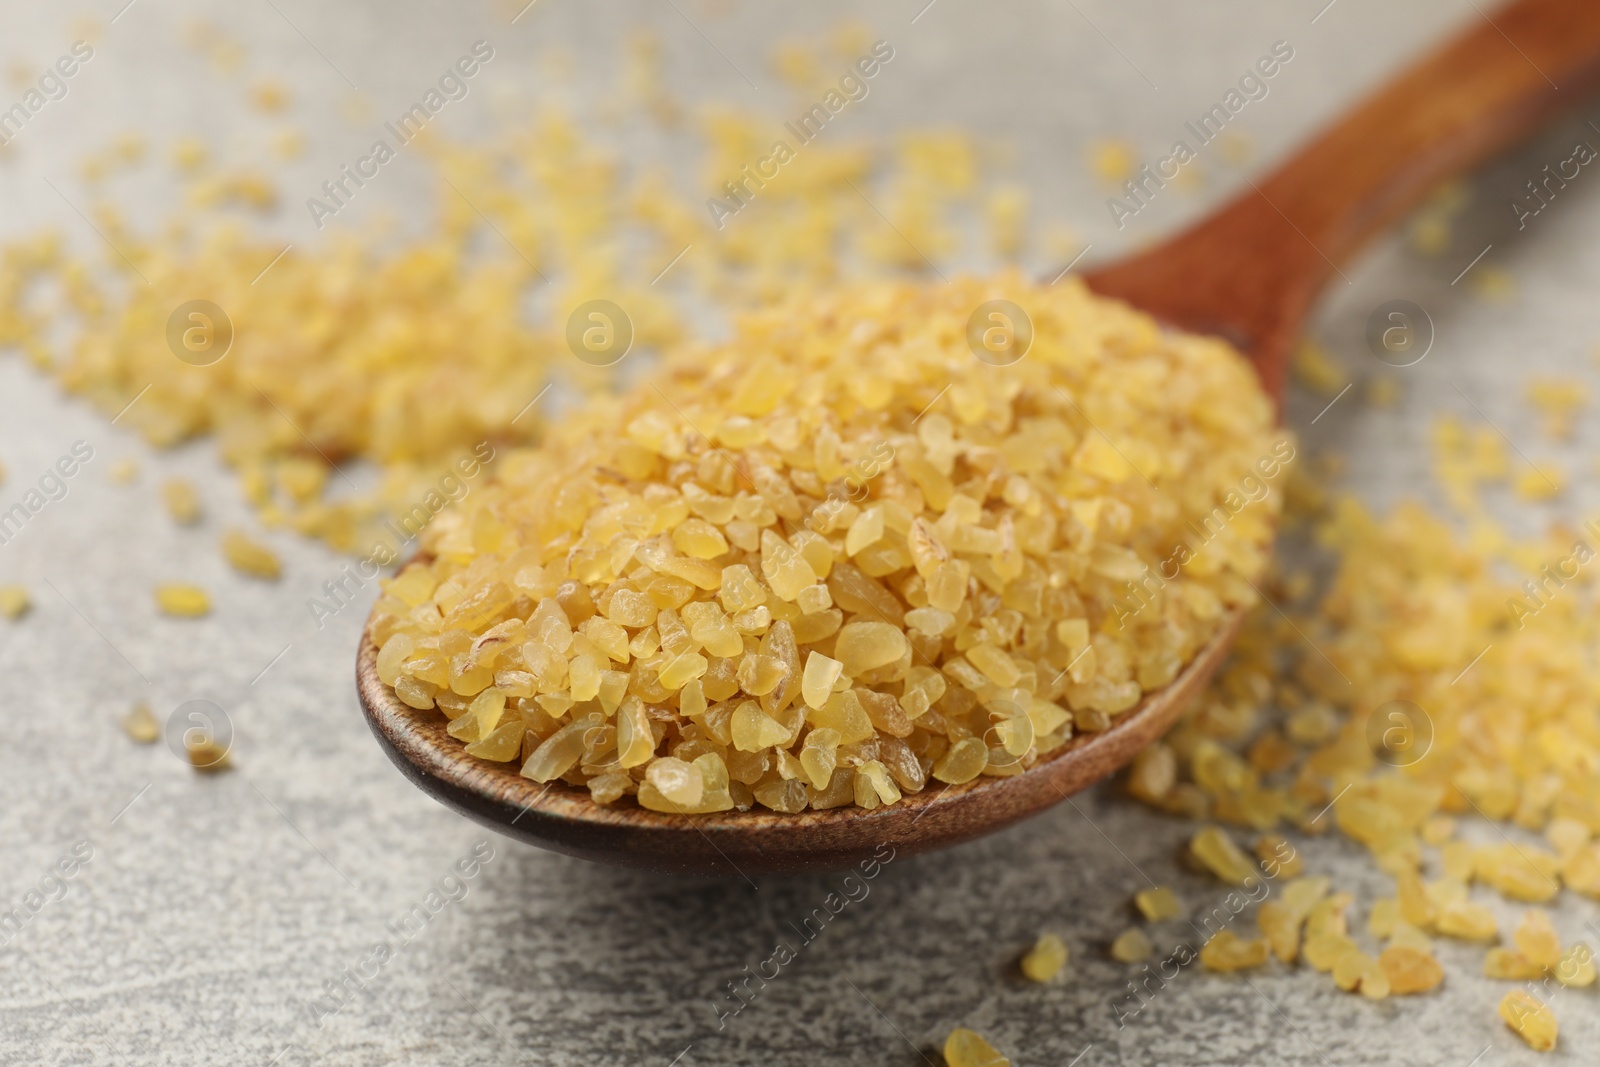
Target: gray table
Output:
[{"x": 216, "y": 913}]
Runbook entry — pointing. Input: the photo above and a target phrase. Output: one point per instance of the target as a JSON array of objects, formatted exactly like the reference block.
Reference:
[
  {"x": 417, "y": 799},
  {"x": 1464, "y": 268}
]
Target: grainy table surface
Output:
[{"x": 215, "y": 912}]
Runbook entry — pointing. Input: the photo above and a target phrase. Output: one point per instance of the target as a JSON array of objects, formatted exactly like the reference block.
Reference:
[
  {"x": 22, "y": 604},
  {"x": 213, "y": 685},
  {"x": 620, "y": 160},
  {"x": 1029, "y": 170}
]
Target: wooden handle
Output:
[{"x": 1249, "y": 271}]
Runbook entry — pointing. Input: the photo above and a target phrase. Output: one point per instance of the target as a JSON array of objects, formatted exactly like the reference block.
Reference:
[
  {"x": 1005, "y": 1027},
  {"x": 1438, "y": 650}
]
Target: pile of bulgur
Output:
[
  {"x": 1431, "y": 681},
  {"x": 840, "y": 555}
]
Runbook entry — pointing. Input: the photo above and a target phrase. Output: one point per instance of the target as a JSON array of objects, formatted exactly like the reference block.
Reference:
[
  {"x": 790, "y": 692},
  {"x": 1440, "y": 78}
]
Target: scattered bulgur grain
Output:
[
  {"x": 1154, "y": 770},
  {"x": 289, "y": 144},
  {"x": 269, "y": 95},
  {"x": 1467, "y": 920},
  {"x": 1226, "y": 951},
  {"x": 1112, "y": 160},
  {"x": 1558, "y": 400},
  {"x": 1493, "y": 284},
  {"x": 189, "y": 154},
  {"x": 1045, "y": 959},
  {"x": 1279, "y": 857},
  {"x": 1566, "y": 835},
  {"x": 1410, "y": 970},
  {"x": 1530, "y": 1018},
  {"x": 141, "y": 724},
  {"x": 182, "y": 501},
  {"x": 1356, "y": 971},
  {"x": 964, "y": 1048},
  {"x": 1131, "y": 946},
  {"x": 176, "y": 598},
  {"x": 1281, "y": 927},
  {"x": 250, "y": 557},
  {"x": 1324, "y": 951},
  {"x": 206, "y": 756},
  {"x": 1405, "y": 935},
  {"x": 1007, "y": 211},
  {"x": 1218, "y": 853},
  {"x": 1383, "y": 392},
  {"x": 122, "y": 472},
  {"x": 14, "y": 601},
  {"x": 1576, "y": 968},
  {"x": 1438, "y": 829},
  {"x": 1314, "y": 367},
  {"x": 1383, "y": 917},
  {"x": 1544, "y": 482},
  {"x": 1511, "y": 965},
  {"x": 1158, "y": 903},
  {"x": 1536, "y": 939}
]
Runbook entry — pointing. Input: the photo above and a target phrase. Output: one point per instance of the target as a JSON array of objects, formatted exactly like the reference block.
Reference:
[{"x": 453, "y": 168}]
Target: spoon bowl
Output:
[
  {"x": 1248, "y": 272},
  {"x": 562, "y": 817}
]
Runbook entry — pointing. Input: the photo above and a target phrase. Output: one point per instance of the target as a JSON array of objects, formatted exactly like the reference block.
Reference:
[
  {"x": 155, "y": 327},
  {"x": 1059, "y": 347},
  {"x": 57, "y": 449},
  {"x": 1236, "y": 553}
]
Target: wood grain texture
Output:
[
  {"x": 1249, "y": 271},
  {"x": 563, "y": 818}
]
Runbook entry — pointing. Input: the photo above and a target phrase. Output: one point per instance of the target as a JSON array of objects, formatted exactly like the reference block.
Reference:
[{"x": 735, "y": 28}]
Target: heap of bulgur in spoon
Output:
[{"x": 867, "y": 542}]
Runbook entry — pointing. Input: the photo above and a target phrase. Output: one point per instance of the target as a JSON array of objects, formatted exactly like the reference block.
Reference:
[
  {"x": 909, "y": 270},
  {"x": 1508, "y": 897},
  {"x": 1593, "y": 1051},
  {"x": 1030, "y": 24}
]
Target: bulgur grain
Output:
[
  {"x": 1226, "y": 951},
  {"x": 141, "y": 725},
  {"x": 14, "y": 601},
  {"x": 1531, "y": 1019},
  {"x": 175, "y": 598},
  {"x": 1045, "y": 959},
  {"x": 182, "y": 501},
  {"x": 964, "y": 1048},
  {"x": 935, "y": 647},
  {"x": 1131, "y": 946},
  {"x": 1158, "y": 903},
  {"x": 248, "y": 556}
]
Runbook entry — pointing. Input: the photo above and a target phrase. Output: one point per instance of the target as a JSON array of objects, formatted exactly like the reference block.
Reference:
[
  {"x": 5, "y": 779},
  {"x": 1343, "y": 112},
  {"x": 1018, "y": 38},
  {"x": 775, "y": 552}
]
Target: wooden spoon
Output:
[{"x": 1248, "y": 272}]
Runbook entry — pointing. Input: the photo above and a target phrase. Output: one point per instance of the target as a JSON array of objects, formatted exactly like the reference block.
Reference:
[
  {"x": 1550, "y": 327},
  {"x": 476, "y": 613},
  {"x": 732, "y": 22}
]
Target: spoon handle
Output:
[{"x": 1249, "y": 271}]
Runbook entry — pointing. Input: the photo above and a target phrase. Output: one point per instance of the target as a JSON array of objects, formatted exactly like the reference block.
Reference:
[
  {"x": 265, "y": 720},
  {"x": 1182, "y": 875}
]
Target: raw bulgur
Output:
[{"x": 867, "y": 558}]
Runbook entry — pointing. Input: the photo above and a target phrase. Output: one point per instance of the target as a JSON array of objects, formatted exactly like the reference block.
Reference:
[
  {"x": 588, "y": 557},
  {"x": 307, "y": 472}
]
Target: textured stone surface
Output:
[{"x": 215, "y": 909}]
